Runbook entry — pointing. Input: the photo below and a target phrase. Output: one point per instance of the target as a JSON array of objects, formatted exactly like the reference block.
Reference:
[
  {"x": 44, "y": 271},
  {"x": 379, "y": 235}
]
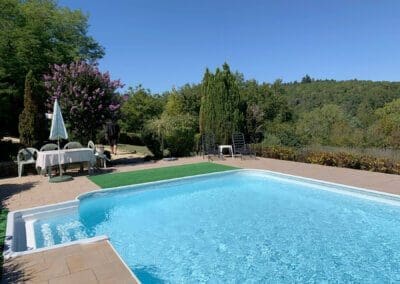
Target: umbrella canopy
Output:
[{"x": 57, "y": 130}]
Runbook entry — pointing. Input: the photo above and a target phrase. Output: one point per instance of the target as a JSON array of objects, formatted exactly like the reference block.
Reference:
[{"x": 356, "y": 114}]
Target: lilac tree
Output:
[{"x": 87, "y": 97}]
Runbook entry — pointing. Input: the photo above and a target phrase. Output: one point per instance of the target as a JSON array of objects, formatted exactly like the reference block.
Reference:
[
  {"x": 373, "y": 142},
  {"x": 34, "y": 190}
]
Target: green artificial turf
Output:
[
  {"x": 141, "y": 176},
  {"x": 3, "y": 223}
]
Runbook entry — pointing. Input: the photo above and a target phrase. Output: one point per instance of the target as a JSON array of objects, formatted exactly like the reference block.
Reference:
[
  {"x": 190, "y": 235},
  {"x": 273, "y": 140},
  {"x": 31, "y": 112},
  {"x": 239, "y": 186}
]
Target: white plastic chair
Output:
[
  {"x": 98, "y": 155},
  {"x": 73, "y": 145},
  {"x": 49, "y": 147},
  {"x": 26, "y": 156}
]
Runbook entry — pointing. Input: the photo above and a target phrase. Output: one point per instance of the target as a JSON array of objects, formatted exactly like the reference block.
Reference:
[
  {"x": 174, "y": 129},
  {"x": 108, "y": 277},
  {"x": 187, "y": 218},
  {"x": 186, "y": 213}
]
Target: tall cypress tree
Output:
[
  {"x": 220, "y": 105},
  {"x": 30, "y": 130}
]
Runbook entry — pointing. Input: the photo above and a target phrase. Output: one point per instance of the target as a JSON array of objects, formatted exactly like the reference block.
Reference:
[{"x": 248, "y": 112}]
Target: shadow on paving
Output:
[
  {"x": 15, "y": 271},
  {"x": 7, "y": 190},
  {"x": 11, "y": 272},
  {"x": 127, "y": 160}
]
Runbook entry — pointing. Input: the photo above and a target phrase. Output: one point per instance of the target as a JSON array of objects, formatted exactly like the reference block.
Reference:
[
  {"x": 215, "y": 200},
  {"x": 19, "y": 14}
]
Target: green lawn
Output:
[
  {"x": 140, "y": 176},
  {"x": 141, "y": 150},
  {"x": 3, "y": 223}
]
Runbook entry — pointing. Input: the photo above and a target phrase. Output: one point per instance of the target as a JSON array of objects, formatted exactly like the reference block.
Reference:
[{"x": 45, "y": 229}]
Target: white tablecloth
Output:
[{"x": 50, "y": 158}]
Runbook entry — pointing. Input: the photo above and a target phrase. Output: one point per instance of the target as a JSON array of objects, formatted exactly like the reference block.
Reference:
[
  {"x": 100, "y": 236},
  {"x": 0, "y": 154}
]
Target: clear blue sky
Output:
[{"x": 161, "y": 44}]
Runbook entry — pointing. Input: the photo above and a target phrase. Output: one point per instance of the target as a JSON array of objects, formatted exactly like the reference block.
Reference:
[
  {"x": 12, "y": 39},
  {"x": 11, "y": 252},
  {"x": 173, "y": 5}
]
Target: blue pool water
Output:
[{"x": 239, "y": 227}]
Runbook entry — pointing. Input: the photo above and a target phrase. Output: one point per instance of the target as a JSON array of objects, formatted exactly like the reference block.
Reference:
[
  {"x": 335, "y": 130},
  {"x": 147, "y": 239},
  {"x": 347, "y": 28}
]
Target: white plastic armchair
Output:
[
  {"x": 73, "y": 145},
  {"x": 26, "y": 156},
  {"x": 49, "y": 147},
  {"x": 103, "y": 158}
]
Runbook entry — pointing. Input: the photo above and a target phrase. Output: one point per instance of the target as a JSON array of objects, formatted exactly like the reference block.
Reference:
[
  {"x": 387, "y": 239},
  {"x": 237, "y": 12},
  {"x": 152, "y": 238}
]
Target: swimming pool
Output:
[{"x": 240, "y": 226}]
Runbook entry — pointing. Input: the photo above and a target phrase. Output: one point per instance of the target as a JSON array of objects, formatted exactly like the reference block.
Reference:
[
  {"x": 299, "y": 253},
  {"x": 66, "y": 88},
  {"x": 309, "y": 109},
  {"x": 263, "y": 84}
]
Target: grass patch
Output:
[
  {"x": 140, "y": 150},
  {"x": 149, "y": 175},
  {"x": 3, "y": 223}
]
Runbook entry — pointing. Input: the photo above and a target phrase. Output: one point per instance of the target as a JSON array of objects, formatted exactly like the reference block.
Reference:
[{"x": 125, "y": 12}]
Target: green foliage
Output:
[
  {"x": 190, "y": 98},
  {"x": 265, "y": 105},
  {"x": 348, "y": 95},
  {"x": 33, "y": 35},
  {"x": 3, "y": 228},
  {"x": 152, "y": 140},
  {"x": 220, "y": 110},
  {"x": 8, "y": 151},
  {"x": 139, "y": 107},
  {"x": 175, "y": 105},
  {"x": 175, "y": 133},
  {"x": 281, "y": 133},
  {"x": 314, "y": 112},
  {"x": 306, "y": 79},
  {"x": 30, "y": 120},
  {"x": 386, "y": 129},
  {"x": 180, "y": 134},
  {"x": 186, "y": 99},
  {"x": 326, "y": 125},
  {"x": 130, "y": 138},
  {"x": 276, "y": 152},
  {"x": 336, "y": 159}
]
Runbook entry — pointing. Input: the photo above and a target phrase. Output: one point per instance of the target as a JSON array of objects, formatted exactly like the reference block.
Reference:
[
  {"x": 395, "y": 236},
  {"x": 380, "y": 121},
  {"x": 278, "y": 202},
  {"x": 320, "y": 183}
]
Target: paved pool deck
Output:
[
  {"x": 81, "y": 265},
  {"x": 33, "y": 190}
]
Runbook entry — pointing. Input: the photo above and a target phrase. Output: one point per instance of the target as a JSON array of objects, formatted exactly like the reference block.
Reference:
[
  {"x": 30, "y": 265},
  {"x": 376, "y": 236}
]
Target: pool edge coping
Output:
[{"x": 350, "y": 188}]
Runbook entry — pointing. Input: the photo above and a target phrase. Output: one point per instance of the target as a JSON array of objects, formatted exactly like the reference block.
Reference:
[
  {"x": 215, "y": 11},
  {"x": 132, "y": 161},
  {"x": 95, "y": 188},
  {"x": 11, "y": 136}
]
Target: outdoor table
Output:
[
  {"x": 46, "y": 159},
  {"x": 222, "y": 147}
]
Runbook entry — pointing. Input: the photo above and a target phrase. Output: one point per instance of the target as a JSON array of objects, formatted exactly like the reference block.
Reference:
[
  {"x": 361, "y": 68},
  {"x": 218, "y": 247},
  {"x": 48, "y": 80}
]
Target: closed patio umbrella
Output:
[{"x": 57, "y": 132}]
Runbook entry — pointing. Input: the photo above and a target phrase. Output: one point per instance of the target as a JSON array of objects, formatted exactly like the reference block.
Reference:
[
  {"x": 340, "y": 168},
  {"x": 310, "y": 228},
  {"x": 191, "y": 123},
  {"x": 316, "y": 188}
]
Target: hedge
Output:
[{"x": 334, "y": 159}]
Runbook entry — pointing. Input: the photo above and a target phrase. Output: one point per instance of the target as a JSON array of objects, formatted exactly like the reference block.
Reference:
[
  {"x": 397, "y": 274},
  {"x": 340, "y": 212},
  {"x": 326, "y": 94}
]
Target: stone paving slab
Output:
[
  {"x": 370, "y": 180},
  {"x": 81, "y": 263}
]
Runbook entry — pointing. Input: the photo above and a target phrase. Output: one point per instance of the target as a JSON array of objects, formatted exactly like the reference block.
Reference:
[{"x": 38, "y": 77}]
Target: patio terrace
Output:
[{"x": 83, "y": 263}]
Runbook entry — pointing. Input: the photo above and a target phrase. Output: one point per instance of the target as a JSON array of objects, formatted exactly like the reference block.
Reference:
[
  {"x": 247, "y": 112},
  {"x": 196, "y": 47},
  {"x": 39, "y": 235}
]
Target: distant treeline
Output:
[{"x": 310, "y": 112}]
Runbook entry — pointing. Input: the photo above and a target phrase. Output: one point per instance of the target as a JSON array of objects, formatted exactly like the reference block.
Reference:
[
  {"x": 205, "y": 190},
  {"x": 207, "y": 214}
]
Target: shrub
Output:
[
  {"x": 152, "y": 141},
  {"x": 175, "y": 133},
  {"x": 276, "y": 152},
  {"x": 130, "y": 138},
  {"x": 8, "y": 151},
  {"x": 326, "y": 158}
]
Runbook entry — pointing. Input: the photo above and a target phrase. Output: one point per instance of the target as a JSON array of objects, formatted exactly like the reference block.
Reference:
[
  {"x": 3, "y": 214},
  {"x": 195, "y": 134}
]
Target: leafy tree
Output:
[
  {"x": 139, "y": 107},
  {"x": 265, "y": 105},
  {"x": 220, "y": 110},
  {"x": 306, "y": 79},
  {"x": 33, "y": 35},
  {"x": 386, "y": 130},
  {"x": 30, "y": 120},
  {"x": 327, "y": 125},
  {"x": 281, "y": 133},
  {"x": 189, "y": 97},
  {"x": 174, "y": 133},
  {"x": 87, "y": 97},
  {"x": 175, "y": 105}
]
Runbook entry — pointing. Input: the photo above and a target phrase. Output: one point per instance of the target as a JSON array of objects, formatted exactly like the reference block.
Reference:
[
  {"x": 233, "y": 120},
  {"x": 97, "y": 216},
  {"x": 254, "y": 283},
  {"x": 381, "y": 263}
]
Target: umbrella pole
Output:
[{"x": 59, "y": 156}]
